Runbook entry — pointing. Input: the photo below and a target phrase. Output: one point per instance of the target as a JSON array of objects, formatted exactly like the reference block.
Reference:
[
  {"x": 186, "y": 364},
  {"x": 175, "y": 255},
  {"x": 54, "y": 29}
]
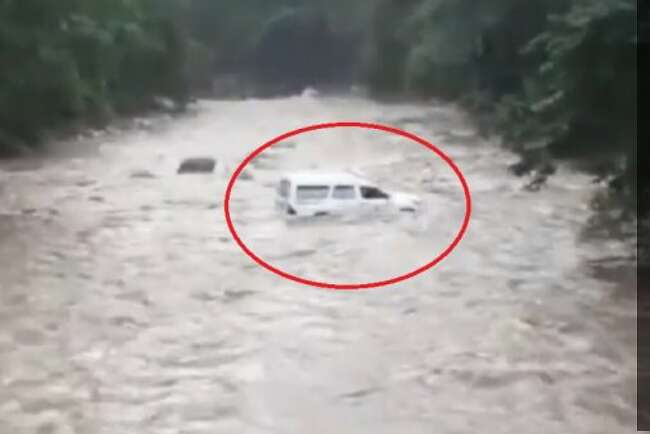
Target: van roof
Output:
[{"x": 322, "y": 177}]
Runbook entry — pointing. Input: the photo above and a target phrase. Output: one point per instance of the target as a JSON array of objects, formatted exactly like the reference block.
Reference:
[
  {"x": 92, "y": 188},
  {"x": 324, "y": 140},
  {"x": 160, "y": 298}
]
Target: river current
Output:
[{"x": 127, "y": 308}]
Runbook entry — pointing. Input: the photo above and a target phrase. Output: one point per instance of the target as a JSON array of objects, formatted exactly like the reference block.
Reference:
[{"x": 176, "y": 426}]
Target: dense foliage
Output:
[
  {"x": 557, "y": 78},
  {"x": 78, "y": 60},
  {"x": 286, "y": 44},
  {"x": 74, "y": 59}
]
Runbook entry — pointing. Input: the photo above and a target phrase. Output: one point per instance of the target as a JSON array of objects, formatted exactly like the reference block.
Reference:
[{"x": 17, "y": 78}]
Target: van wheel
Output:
[
  {"x": 407, "y": 209},
  {"x": 321, "y": 214}
]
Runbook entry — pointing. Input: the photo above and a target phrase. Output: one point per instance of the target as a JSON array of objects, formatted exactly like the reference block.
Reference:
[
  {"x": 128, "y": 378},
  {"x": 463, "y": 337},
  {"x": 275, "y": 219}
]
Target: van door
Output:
[
  {"x": 312, "y": 199},
  {"x": 344, "y": 199},
  {"x": 373, "y": 199}
]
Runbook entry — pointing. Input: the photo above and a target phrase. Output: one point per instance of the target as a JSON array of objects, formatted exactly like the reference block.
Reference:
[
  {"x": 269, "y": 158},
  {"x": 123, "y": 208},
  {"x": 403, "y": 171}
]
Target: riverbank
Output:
[{"x": 84, "y": 136}]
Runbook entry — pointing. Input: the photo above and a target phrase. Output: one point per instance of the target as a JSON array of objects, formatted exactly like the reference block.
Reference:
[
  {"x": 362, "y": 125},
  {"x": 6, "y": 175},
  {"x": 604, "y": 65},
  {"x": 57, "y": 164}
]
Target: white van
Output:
[{"x": 335, "y": 193}]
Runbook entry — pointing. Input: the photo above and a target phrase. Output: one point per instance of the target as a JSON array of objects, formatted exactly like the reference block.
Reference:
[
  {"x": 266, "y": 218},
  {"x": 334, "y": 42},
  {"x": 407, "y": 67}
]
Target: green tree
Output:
[
  {"x": 70, "y": 59},
  {"x": 557, "y": 78}
]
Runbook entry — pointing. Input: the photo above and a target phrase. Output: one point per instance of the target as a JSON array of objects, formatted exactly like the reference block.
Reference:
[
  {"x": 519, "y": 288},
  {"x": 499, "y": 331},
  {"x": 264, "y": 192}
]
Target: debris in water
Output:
[{"x": 197, "y": 165}]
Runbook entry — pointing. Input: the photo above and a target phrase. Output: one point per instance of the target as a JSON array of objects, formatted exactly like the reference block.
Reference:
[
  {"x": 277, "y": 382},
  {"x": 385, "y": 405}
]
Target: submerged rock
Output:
[
  {"x": 536, "y": 184},
  {"x": 197, "y": 165},
  {"x": 245, "y": 176},
  {"x": 287, "y": 144},
  {"x": 142, "y": 174},
  {"x": 521, "y": 168}
]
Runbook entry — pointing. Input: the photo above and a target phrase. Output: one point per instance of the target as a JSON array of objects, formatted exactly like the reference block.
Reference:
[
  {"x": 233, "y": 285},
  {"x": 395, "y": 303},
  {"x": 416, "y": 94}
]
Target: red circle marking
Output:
[{"x": 354, "y": 286}]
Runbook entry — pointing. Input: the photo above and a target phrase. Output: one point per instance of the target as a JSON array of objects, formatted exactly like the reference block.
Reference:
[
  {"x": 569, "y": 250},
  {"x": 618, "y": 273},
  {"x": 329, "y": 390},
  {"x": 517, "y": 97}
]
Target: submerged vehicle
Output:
[{"x": 314, "y": 193}]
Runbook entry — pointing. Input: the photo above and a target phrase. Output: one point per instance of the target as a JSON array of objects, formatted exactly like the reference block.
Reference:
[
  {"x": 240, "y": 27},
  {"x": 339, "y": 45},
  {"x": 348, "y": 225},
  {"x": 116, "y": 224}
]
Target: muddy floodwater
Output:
[{"x": 127, "y": 308}]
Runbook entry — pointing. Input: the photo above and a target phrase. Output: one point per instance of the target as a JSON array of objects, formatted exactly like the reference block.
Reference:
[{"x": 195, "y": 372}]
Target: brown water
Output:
[{"x": 125, "y": 306}]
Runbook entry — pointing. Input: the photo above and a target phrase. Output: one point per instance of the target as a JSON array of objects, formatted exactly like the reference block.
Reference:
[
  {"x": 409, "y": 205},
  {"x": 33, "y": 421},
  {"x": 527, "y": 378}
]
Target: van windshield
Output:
[
  {"x": 371, "y": 193},
  {"x": 312, "y": 193}
]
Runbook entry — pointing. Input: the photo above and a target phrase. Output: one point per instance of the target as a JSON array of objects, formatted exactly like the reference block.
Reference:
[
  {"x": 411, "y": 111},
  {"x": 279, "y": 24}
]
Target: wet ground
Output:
[{"x": 126, "y": 307}]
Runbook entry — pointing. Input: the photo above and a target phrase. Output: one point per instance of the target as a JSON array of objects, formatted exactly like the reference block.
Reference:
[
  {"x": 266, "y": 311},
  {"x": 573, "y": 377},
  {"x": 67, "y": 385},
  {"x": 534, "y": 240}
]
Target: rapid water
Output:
[{"x": 127, "y": 308}]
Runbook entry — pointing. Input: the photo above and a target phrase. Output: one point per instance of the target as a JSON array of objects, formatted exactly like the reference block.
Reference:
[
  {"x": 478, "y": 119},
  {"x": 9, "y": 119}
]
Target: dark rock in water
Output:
[
  {"x": 234, "y": 295},
  {"x": 197, "y": 165},
  {"x": 261, "y": 164},
  {"x": 547, "y": 169},
  {"x": 361, "y": 393},
  {"x": 286, "y": 145},
  {"x": 143, "y": 174},
  {"x": 521, "y": 168},
  {"x": 245, "y": 176},
  {"x": 536, "y": 184}
]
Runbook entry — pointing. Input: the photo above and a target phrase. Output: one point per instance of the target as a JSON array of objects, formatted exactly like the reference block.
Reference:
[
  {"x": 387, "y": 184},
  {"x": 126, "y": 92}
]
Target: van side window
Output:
[
  {"x": 373, "y": 193},
  {"x": 343, "y": 192},
  {"x": 283, "y": 189},
  {"x": 312, "y": 193}
]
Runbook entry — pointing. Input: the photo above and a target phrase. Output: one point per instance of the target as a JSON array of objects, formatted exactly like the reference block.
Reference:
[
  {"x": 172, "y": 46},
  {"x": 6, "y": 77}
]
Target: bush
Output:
[{"x": 70, "y": 59}]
